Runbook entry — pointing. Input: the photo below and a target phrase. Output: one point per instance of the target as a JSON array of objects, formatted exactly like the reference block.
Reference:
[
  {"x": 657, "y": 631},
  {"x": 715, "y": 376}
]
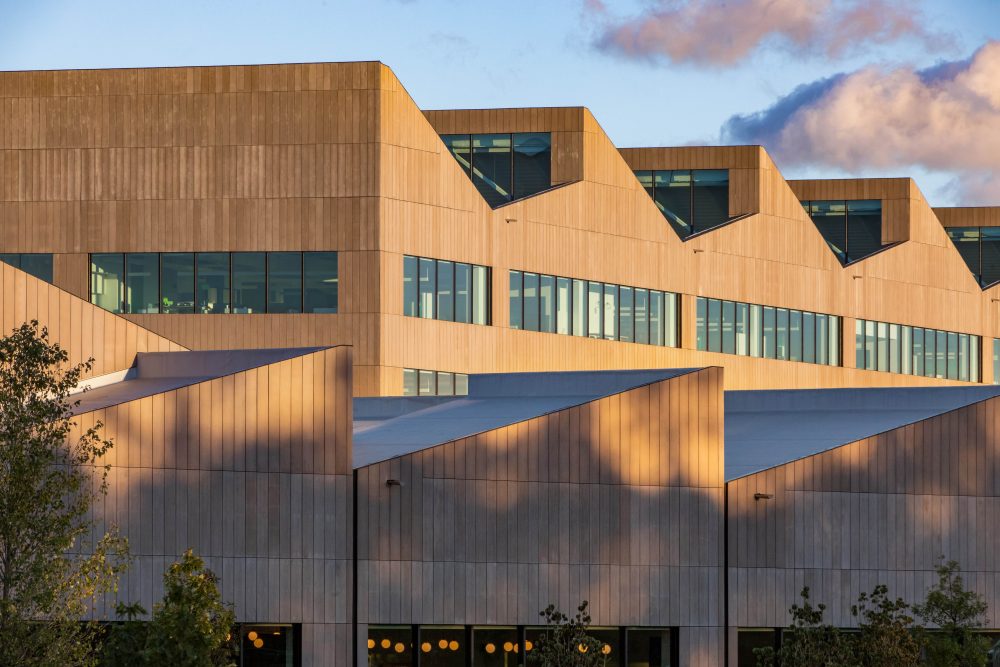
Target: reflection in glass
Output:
[
  {"x": 284, "y": 282},
  {"x": 480, "y": 295},
  {"x": 516, "y": 300},
  {"x": 390, "y": 646},
  {"x": 267, "y": 646},
  {"x": 495, "y": 647},
  {"x": 212, "y": 290},
  {"x": 107, "y": 281},
  {"x": 531, "y": 301},
  {"x": 563, "y": 305},
  {"x": 177, "y": 282},
  {"x": 532, "y": 163},
  {"x": 445, "y": 296},
  {"x": 626, "y": 321},
  {"x": 410, "y": 385},
  {"x": 463, "y": 289},
  {"x": 546, "y": 304},
  {"x": 610, "y": 311},
  {"x": 427, "y": 282},
  {"x": 249, "y": 282},
  {"x": 410, "y": 293},
  {"x": 648, "y": 647},
  {"x": 320, "y": 280},
  {"x": 641, "y": 316},
  {"x": 36, "y": 264},
  {"x": 142, "y": 289},
  {"x": 491, "y": 167}
]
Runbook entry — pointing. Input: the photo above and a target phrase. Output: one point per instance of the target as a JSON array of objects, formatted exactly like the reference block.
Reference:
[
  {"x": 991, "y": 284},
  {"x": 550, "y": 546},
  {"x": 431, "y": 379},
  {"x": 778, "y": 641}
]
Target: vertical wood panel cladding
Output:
[
  {"x": 252, "y": 471},
  {"x": 879, "y": 510},
  {"x": 969, "y": 216},
  {"x": 84, "y": 330},
  {"x": 583, "y": 503}
]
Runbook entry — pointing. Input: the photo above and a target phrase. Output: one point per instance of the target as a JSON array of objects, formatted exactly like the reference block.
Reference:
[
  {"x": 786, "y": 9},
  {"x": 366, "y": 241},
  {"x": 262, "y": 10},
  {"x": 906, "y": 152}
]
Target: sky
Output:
[{"x": 832, "y": 88}]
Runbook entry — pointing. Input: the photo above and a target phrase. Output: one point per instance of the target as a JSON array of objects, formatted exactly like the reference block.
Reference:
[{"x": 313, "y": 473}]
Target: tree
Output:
[
  {"x": 957, "y": 613},
  {"x": 810, "y": 642},
  {"x": 886, "y": 637},
  {"x": 191, "y": 627},
  {"x": 565, "y": 642},
  {"x": 50, "y": 572}
]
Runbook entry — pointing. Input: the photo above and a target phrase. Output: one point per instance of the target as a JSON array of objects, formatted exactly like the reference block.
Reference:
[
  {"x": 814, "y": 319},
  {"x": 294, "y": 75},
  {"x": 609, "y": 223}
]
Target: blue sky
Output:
[{"x": 465, "y": 53}]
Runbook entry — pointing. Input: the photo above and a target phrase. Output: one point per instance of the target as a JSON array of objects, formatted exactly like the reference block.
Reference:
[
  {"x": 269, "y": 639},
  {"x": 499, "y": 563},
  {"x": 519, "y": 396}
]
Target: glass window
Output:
[
  {"x": 729, "y": 327},
  {"x": 742, "y": 327},
  {"x": 670, "y": 319},
  {"x": 859, "y": 343},
  {"x": 641, "y": 316},
  {"x": 595, "y": 309},
  {"x": 426, "y": 382},
  {"x": 547, "y": 304},
  {"x": 36, "y": 264},
  {"x": 410, "y": 278},
  {"x": 445, "y": 384},
  {"x": 755, "y": 330},
  {"x": 918, "y": 351},
  {"x": 750, "y": 639},
  {"x": 990, "y": 255},
  {"x": 822, "y": 339},
  {"x": 941, "y": 369},
  {"x": 142, "y": 289},
  {"x": 882, "y": 347},
  {"x": 701, "y": 325},
  {"x": 563, "y": 305},
  {"x": 427, "y": 283},
  {"x": 267, "y": 645},
  {"x": 249, "y": 282},
  {"x": 871, "y": 349},
  {"x": 648, "y": 647},
  {"x": 212, "y": 290},
  {"x": 177, "y": 282},
  {"x": 320, "y": 280},
  {"x": 893, "y": 348},
  {"x": 463, "y": 289},
  {"x": 963, "y": 357},
  {"x": 905, "y": 349},
  {"x": 410, "y": 385},
  {"x": 610, "y": 311},
  {"x": 390, "y": 646},
  {"x": 710, "y": 198},
  {"x": 769, "y": 333},
  {"x": 532, "y": 163},
  {"x": 459, "y": 146},
  {"x": 107, "y": 284},
  {"x": 445, "y": 291},
  {"x": 781, "y": 333},
  {"x": 830, "y": 218},
  {"x": 516, "y": 301},
  {"x": 930, "y": 345},
  {"x": 481, "y": 295},
  {"x": 579, "y": 307},
  {"x": 809, "y": 338},
  {"x": 284, "y": 282},
  {"x": 461, "y": 384},
  {"x": 646, "y": 181},
  {"x": 834, "y": 340},
  {"x": 966, "y": 240},
  {"x": 864, "y": 228},
  {"x": 952, "y": 358},
  {"x": 974, "y": 358},
  {"x": 714, "y": 321},
  {"x": 442, "y": 647},
  {"x": 494, "y": 647},
  {"x": 672, "y": 195},
  {"x": 657, "y": 331},
  {"x": 531, "y": 301},
  {"x": 626, "y": 319},
  {"x": 491, "y": 167},
  {"x": 795, "y": 335}
]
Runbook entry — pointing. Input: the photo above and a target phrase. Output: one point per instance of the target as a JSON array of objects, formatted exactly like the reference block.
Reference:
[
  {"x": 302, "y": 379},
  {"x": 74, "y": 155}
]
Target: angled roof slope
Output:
[
  {"x": 158, "y": 372},
  {"x": 385, "y": 428},
  {"x": 773, "y": 427}
]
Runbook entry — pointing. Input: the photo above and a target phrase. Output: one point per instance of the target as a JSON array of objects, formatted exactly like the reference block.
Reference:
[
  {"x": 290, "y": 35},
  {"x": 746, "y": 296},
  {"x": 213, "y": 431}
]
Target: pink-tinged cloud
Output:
[
  {"x": 724, "y": 32},
  {"x": 946, "y": 118}
]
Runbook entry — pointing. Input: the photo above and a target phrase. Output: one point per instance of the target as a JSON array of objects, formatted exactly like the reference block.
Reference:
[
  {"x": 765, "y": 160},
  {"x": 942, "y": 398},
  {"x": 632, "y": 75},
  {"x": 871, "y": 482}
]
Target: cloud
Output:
[
  {"x": 724, "y": 32},
  {"x": 944, "y": 118}
]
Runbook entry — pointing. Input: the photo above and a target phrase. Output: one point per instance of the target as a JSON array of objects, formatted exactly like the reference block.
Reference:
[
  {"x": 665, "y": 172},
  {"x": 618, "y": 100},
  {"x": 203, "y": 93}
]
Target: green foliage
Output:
[
  {"x": 565, "y": 642},
  {"x": 886, "y": 637},
  {"x": 52, "y": 565},
  {"x": 957, "y": 613},
  {"x": 810, "y": 642},
  {"x": 191, "y": 627},
  {"x": 126, "y": 640}
]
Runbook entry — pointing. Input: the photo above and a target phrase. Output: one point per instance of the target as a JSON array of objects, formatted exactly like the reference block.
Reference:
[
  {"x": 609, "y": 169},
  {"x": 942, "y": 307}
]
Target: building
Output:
[{"x": 406, "y": 377}]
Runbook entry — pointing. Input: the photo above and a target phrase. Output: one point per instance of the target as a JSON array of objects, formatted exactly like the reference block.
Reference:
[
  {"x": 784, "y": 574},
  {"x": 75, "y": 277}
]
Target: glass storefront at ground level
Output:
[{"x": 509, "y": 646}]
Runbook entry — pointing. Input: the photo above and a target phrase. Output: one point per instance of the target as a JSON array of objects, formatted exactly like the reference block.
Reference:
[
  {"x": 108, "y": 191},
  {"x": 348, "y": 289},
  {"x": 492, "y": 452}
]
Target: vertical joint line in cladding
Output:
[
  {"x": 354, "y": 568},
  {"x": 725, "y": 571}
]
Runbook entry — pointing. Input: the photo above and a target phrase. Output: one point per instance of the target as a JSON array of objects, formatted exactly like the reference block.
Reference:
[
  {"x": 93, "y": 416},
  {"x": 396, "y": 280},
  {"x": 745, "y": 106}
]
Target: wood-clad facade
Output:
[
  {"x": 621, "y": 499},
  {"x": 337, "y": 157},
  {"x": 584, "y": 503}
]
